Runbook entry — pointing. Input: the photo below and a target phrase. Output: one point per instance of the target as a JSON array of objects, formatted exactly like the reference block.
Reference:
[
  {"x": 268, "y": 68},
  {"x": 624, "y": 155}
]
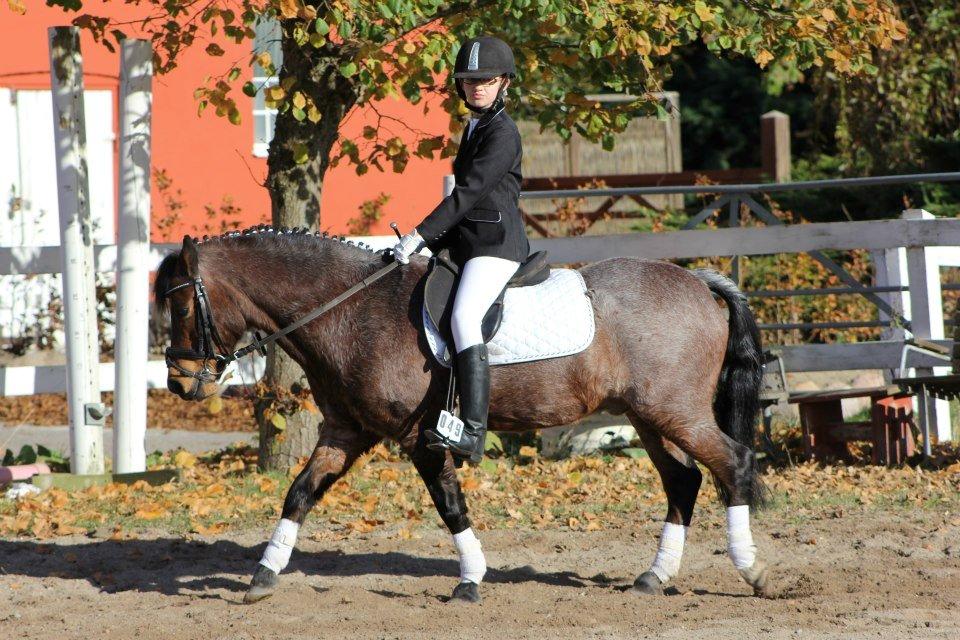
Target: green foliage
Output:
[
  {"x": 893, "y": 120},
  {"x": 30, "y": 455},
  {"x": 565, "y": 50},
  {"x": 721, "y": 101},
  {"x": 370, "y": 212},
  {"x": 865, "y": 203}
]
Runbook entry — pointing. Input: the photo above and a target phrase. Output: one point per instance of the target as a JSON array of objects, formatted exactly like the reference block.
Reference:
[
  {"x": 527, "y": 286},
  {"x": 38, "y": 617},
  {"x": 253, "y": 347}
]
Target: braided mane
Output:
[{"x": 264, "y": 230}]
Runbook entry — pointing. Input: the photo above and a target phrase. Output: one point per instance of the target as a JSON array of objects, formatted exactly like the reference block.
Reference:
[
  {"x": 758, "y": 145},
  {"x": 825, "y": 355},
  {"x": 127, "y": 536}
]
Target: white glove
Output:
[{"x": 408, "y": 245}]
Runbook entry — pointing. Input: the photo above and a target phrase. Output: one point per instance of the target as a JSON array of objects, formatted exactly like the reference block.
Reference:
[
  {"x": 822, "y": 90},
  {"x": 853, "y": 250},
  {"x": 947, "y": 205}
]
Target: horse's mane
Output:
[{"x": 258, "y": 234}]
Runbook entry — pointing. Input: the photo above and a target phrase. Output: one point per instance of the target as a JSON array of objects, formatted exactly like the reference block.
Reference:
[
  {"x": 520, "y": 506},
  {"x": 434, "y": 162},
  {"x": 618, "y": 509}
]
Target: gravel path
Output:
[{"x": 58, "y": 439}]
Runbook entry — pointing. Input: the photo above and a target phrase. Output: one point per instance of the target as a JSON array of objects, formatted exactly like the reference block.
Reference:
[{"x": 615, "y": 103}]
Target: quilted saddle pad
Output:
[{"x": 548, "y": 320}]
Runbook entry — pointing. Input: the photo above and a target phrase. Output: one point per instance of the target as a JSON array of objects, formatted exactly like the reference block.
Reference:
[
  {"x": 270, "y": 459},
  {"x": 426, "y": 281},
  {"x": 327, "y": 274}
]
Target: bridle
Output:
[{"x": 209, "y": 340}]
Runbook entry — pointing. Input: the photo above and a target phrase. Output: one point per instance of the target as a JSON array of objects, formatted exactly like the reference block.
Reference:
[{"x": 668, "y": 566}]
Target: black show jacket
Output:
[{"x": 482, "y": 217}]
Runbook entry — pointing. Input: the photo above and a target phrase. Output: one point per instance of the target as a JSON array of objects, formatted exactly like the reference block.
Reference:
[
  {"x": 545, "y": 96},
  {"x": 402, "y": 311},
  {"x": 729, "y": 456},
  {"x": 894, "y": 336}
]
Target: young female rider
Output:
[{"x": 480, "y": 221}]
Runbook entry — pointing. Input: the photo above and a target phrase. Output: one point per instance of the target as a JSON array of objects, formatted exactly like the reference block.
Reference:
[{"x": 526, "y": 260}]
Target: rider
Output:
[{"x": 480, "y": 220}]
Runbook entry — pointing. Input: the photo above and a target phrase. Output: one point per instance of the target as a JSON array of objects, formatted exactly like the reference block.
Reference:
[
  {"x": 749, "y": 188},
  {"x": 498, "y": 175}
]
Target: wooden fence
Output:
[{"x": 775, "y": 167}]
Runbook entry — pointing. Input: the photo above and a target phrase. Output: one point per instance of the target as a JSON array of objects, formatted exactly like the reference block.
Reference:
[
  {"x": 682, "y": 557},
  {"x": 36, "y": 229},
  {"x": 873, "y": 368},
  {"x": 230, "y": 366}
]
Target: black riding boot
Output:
[{"x": 473, "y": 372}]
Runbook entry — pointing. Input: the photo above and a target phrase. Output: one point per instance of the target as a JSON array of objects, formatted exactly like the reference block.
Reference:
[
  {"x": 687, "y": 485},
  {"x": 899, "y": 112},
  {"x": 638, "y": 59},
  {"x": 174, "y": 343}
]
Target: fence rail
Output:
[
  {"x": 758, "y": 187},
  {"x": 873, "y": 235}
]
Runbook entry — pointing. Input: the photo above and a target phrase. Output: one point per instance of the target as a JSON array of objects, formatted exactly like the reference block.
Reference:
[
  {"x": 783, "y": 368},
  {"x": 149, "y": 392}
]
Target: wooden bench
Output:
[
  {"x": 826, "y": 434},
  {"x": 943, "y": 387}
]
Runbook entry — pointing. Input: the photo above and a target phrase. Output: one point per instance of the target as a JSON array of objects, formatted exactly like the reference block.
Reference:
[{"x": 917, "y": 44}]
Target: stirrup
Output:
[{"x": 436, "y": 441}]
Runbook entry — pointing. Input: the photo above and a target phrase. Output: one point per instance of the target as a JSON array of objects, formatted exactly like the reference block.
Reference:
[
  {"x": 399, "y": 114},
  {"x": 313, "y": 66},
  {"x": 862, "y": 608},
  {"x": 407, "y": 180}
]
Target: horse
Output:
[{"x": 684, "y": 368}]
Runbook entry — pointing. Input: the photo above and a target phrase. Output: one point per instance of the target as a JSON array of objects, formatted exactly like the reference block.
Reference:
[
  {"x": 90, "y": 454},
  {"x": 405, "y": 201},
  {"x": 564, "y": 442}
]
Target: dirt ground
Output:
[{"x": 855, "y": 572}]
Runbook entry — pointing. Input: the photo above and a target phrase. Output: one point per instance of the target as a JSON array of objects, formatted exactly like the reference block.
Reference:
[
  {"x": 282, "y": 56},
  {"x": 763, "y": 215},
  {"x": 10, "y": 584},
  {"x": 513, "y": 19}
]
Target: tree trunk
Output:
[{"x": 295, "y": 196}]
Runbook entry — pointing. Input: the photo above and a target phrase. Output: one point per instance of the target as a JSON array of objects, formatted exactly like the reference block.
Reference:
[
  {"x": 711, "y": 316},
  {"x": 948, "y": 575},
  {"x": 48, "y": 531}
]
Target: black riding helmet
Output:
[{"x": 483, "y": 57}]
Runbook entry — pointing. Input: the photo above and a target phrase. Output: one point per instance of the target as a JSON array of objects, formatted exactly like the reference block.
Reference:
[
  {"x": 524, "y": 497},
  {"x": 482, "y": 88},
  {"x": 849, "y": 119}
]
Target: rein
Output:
[{"x": 209, "y": 338}]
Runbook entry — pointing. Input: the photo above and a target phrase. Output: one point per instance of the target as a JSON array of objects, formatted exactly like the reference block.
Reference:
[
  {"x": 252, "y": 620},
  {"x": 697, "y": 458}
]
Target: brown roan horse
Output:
[{"x": 685, "y": 371}]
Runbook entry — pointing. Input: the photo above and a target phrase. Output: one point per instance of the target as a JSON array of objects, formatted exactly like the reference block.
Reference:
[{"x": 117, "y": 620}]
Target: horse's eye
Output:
[{"x": 183, "y": 312}]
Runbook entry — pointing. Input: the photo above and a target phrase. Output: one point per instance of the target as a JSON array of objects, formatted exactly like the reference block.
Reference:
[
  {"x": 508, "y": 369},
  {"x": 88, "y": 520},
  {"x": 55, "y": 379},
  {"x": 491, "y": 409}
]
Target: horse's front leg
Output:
[
  {"x": 339, "y": 446},
  {"x": 438, "y": 473}
]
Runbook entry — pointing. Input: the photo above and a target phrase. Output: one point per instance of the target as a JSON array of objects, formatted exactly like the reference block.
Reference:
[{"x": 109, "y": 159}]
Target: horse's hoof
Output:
[
  {"x": 466, "y": 592},
  {"x": 262, "y": 585},
  {"x": 647, "y": 584},
  {"x": 758, "y": 577}
]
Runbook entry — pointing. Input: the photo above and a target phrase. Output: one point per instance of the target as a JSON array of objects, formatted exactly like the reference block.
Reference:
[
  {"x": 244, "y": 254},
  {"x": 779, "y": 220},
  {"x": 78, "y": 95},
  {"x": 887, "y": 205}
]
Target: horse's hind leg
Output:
[
  {"x": 681, "y": 481},
  {"x": 338, "y": 448},
  {"x": 732, "y": 465},
  {"x": 438, "y": 473}
]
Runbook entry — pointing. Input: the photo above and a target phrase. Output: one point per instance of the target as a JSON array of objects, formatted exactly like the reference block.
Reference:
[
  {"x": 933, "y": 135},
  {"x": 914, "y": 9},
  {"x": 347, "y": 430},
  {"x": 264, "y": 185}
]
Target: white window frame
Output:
[{"x": 267, "y": 39}]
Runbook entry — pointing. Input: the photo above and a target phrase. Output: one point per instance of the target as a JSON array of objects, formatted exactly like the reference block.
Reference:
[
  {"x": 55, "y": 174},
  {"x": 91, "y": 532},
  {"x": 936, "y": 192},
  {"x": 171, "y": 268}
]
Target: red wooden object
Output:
[{"x": 825, "y": 434}]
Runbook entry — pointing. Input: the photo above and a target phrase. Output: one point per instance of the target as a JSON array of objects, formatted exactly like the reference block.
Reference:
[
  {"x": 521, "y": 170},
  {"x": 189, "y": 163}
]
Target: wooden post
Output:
[
  {"x": 926, "y": 321},
  {"x": 775, "y": 145},
  {"x": 735, "y": 261},
  {"x": 130, "y": 416},
  {"x": 886, "y": 273},
  {"x": 85, "y": 414}
]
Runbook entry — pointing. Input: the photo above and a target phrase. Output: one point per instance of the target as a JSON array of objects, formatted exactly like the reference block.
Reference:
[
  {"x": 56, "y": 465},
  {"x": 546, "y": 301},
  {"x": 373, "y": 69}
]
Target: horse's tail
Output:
[{"x": 737, "y": 401}]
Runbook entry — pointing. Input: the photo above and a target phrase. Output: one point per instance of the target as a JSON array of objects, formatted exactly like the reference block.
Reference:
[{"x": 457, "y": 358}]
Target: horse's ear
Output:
[{"x": 189, "y": 258}]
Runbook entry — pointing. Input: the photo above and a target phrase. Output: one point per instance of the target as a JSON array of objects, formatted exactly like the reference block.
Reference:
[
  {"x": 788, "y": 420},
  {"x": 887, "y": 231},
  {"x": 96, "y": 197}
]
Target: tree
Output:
[
  {"x": 341, "y": 54},
  {"x": 906, "y": 115}
]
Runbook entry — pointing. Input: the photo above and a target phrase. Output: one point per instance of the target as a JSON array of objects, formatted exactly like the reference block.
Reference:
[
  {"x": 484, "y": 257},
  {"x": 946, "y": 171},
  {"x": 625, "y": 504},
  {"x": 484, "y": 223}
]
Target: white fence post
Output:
[
  {"x": 887, "y": 273},
  {"x": 79, "y": 287},
  {"x": 133, "y": 238},
  {"x": 449, "y": 182},
  {"x": 926, "y": 321}
]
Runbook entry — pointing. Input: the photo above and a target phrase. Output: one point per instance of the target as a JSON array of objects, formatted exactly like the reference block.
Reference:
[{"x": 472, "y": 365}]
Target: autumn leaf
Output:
[
  {"x": 289, "y": 8},
  {"x": 215, "y": 405},
  {"x": 763, "y": 58},
  {"x": 266, "y": 484},
  {"x": 703, "y": 11},
  {"x": 151, "y": 512},
  {"x": 211, "y": 530},
  {"x": 17, "y": 6},
  {"x": 184, "y": 459}
]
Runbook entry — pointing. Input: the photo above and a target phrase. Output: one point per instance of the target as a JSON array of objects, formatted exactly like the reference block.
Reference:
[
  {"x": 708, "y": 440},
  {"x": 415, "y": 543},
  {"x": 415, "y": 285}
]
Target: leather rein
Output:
[{"x": 209, "y": 340}]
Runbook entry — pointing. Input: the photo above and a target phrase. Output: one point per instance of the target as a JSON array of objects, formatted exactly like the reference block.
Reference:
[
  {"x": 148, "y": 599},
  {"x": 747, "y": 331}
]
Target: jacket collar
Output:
[{"x": 487, "y": 118}]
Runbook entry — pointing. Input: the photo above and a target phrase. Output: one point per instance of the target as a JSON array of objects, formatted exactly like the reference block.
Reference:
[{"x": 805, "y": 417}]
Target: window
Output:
[{"x": 267, "y": 39}]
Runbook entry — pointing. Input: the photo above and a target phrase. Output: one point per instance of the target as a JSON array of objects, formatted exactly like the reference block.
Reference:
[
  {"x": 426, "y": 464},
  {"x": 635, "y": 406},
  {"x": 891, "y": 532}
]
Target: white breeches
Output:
[{"x": 481, "y": 281}]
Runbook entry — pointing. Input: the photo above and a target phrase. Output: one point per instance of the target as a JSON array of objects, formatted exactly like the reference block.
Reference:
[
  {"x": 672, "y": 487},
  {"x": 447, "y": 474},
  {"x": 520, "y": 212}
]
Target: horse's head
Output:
[{"x": 198, "y": 344}]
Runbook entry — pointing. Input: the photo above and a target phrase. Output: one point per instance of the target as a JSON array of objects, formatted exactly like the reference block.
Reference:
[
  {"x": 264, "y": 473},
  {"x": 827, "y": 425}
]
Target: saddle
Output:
[{"x": 441, "y": 286}]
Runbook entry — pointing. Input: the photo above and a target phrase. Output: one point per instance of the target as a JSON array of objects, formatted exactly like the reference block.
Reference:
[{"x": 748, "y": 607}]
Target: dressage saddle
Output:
[{"x": 441, "y": 286}]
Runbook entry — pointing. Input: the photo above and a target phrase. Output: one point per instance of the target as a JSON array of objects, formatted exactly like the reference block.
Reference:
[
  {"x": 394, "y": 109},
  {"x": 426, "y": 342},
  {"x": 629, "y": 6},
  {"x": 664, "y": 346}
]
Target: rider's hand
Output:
[{"x": 408, "y": 245}]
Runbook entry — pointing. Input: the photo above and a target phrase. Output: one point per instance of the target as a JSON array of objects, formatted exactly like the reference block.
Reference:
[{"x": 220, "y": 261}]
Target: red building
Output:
[{"x": 208, "y": 161}]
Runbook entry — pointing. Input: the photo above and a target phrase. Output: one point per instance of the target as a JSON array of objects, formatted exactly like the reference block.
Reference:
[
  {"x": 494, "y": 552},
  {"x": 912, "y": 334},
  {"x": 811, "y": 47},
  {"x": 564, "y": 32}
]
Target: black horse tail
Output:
[{"x": 737, "y": 402}]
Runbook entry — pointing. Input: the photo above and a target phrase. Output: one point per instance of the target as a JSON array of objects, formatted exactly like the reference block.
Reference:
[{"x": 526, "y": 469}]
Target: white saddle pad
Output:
[{"x": 548, "y": 320}]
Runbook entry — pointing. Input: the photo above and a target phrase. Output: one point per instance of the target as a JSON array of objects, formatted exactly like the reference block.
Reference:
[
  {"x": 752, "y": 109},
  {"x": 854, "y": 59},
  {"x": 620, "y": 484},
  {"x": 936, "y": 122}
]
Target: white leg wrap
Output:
[
  {"x": 739, "y": 539},
  {"x": 472, "y": 563},
  {"x": 277, "y": 554},
  {"x": 667, "y": 563}
]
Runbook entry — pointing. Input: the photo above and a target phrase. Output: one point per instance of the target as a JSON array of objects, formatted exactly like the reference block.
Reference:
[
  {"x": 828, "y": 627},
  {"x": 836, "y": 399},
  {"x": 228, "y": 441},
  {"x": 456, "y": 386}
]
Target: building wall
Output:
[{"x": 206, "y": 158}]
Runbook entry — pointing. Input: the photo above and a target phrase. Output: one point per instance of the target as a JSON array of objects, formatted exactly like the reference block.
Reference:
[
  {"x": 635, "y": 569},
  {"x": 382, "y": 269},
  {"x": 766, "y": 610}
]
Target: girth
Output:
[{"x": 440, "y": 289}]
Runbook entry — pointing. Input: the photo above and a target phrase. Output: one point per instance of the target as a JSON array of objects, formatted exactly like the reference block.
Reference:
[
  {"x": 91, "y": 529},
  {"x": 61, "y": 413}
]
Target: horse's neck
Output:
[{"x": 293, "y": 287}]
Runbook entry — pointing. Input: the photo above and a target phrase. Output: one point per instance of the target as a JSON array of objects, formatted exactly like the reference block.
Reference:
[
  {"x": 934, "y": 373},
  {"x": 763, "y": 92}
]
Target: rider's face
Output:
[{"x": 481, "y": 92}]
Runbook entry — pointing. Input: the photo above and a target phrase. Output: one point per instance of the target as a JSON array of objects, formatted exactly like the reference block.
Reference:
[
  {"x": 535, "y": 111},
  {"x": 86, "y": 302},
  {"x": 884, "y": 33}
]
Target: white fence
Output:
[{"x": 29, "y": 380}]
